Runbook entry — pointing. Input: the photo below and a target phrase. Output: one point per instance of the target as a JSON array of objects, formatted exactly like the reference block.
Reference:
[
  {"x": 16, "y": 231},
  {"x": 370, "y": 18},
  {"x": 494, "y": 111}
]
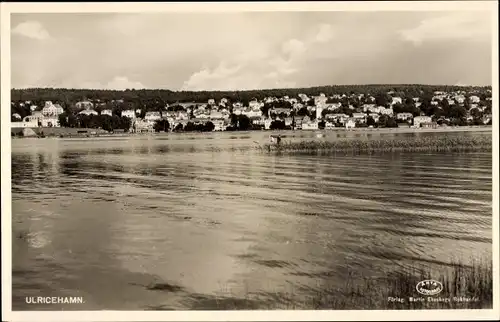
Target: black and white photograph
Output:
[{"x": 194, "y": 161}]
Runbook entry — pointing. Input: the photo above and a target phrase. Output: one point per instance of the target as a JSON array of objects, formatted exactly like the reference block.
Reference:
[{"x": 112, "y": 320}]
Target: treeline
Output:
[
  {"x": 67, "y": 97},
  {"x": 105, "y": 122}
]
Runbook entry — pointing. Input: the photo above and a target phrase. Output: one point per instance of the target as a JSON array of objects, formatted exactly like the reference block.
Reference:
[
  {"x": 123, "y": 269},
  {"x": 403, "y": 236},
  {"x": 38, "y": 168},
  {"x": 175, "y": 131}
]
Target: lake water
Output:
[{"x": 205, "y": 217}]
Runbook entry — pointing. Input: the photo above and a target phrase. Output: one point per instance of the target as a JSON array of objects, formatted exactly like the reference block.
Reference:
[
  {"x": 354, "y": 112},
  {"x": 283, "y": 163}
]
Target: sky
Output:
[{"x": 249, "y": 50}]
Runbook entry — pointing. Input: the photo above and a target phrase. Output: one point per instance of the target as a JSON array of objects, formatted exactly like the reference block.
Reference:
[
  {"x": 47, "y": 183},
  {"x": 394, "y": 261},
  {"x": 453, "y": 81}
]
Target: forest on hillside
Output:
[{"x": 67, "y": 97}]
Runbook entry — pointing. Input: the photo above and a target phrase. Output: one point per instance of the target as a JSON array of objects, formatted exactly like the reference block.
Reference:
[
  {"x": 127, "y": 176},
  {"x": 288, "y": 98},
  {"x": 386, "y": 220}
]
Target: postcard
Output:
[{"x": 250, "y": 161}]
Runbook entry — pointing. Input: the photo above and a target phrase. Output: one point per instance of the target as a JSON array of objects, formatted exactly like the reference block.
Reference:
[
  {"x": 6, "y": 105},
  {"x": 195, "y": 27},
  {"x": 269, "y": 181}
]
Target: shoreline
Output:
[{"x": 73, "y": 132}]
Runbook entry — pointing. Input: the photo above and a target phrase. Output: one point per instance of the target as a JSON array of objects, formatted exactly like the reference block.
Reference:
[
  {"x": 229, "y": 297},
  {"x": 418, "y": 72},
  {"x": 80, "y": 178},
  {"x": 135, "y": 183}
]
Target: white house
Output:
[
  {"x": 329, "y": 125},
  {"x": 338, "y": 117},
  {"x": 253, "y": 113},
  {"x": 397, "y": 100},
  {"x": 218, "y": 125},
  {"x": 350, "y": 124},
  {"x": 128, "y": 113},
  {"x": 404, "y": 116},
  {"x": 418, "y": 120},
  {"x": 88, "y": 112},
  {"x": 267, "y": 123},
  {"x": 107, "y": 112},
  {"x": 215, "y": 115},
  {"x": 255, "y": 105},
  {"x": 84, "y": 104},
  {"x": 320, "y": 100},
  {"x": 385, "y": 111},
  {"x": 152, "y": 116},
  {"x": 474, "y": 99},
  {"x": 311, "y": 125},
  {"x": 359, "y": 117},
  {"x": 52, "y": 109}
]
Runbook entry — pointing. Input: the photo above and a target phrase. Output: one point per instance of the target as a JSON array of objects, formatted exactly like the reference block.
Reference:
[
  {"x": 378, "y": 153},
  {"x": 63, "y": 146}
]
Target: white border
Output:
[{"x": 403, "y": 315}]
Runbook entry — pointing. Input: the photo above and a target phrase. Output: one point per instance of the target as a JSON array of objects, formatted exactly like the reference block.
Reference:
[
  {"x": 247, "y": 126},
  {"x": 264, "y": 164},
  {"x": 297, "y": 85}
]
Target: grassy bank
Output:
[
  {"x": 431, "y": 144},
  {"x": 473, "y": 282},
  {"x": 58, "y": 131}
]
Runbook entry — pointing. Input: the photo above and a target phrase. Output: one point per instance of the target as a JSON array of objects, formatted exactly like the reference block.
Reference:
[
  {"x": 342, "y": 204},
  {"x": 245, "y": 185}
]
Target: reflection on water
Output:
[{"x": 172, "y": 222}]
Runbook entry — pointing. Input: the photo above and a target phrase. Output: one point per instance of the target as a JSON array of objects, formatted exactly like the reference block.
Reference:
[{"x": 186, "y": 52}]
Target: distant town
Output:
[{"x": 149, "y": 111}]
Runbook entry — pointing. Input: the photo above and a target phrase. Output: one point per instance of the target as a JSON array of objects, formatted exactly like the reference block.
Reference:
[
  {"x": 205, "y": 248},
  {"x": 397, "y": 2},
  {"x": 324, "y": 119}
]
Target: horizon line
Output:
[{"x": 247, "y": 90}]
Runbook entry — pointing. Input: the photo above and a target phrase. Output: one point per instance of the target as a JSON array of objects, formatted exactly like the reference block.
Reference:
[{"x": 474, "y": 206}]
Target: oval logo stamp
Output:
[{"x": 429, "y": 287}]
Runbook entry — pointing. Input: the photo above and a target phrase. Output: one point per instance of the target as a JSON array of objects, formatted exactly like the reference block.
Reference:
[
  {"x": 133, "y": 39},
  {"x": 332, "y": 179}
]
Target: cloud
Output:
[
  {"x": 293, "y": 47},
  {"x": 256, "y": 69},
  {"x": 31, "y": 29},
  {"x": 117, "y": 83},
  {"x": 325, "y": 33},
  {"x": 459, "y": 25}
]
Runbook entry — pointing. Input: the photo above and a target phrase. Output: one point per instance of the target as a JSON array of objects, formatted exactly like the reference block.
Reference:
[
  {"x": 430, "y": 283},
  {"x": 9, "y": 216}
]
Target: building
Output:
[
  {"x": 267, "y": 123},
  {"x": 329, "y": 125},
  {"x": 88, "y": 112},
  {"x": 252, "y": 113},
  {"x": 128, "y": 113},
  {"x": 84, "y": 105},
  {"x": 211, "y": 101},
  {"x": 404, "y": 116},
  {"x": 397, "y": 100},
  {"x": 320, "y": 100},
  {"x": 375, "y": 117},
  {"x": 341, "y": 118},
  {"x": 359, "y": 117},
  {"x": 142, "y": 126},
  {"x": 350, "y": 124},
  {"x": 255, "y": 105},
  {"x": 152, "y": 116},
  {"x": 372, "y": 108},
  {"x": 310, "y": 125},
  {"x": 218, "y": 125},
  {"x": 303, "y": 97},
  {"x": 385, "y": 111},
  {"x": 107, "y": 112},
  {"x": 215, "y": 115},
  {"x": 418, "y": 120},
  {"x": 319, "y": 111},
  {"x": 52, "y": 109},
  {"x": 474, "y": 99},
  {"x": 429, "y": 124}
]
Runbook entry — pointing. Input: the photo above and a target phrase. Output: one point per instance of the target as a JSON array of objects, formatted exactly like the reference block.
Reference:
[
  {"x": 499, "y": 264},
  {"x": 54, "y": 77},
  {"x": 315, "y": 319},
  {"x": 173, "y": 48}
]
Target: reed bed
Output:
[
  {"x": 460, "y": 282},
  {"x": 424, "y": 144}
]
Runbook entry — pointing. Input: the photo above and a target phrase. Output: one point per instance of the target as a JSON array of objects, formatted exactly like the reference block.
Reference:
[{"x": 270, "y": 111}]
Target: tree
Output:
[
  {"x": 209, "y": 126},
  {"x": 302, "y": 112},
  {"x": 244, "y": 123},
  {"x": 387, "y": 121},
  {"x": 370, "y": 121},
  {"x": 179, "y": 127},
  {"x": 161, "y": 125},
  {"x": 458, "y": 112},
  {"x": 63, "y": 120},
  {"x": 277, "y": 125},
  {"x": 189, "y": 127},
  {"x": 321, "y": 125}
]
